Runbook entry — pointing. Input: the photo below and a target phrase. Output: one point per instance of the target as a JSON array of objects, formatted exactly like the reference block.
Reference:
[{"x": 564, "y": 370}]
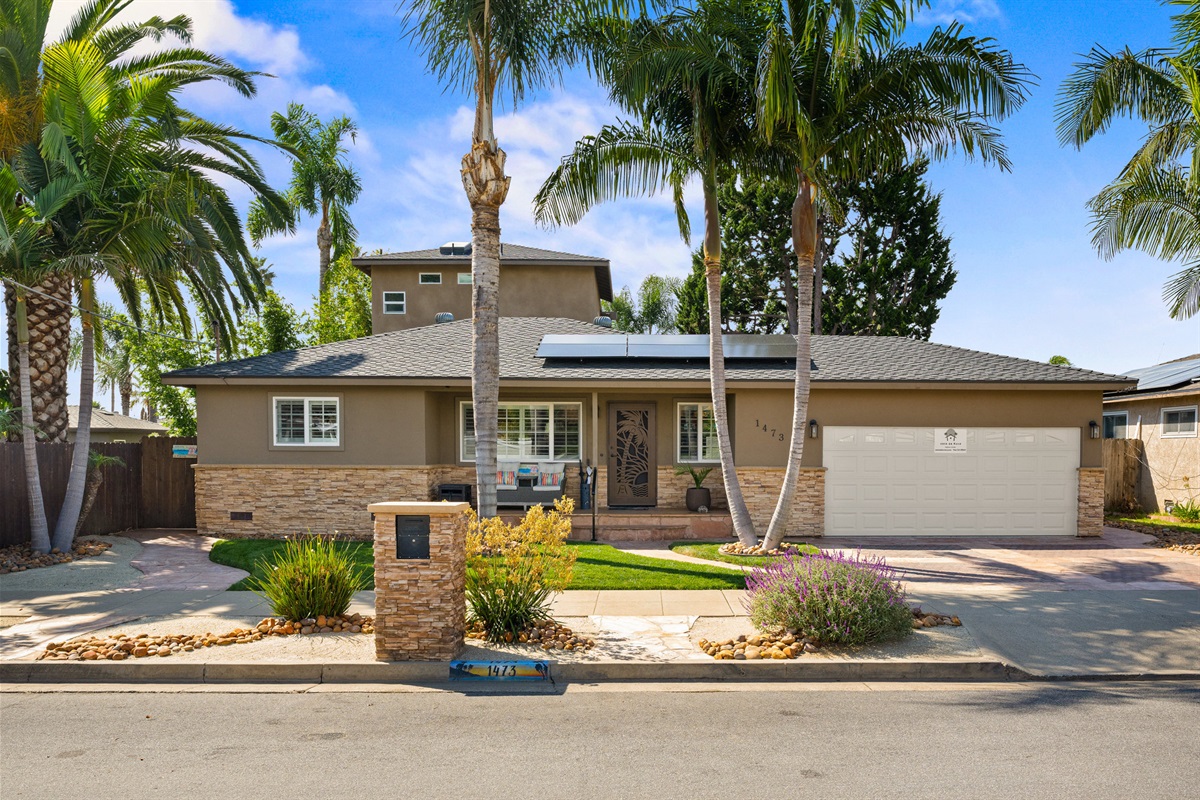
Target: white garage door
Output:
[{"x": 951, "y": 481}]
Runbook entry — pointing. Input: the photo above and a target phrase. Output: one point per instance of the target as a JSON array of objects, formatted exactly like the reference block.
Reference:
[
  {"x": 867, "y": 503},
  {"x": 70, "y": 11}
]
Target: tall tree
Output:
[
  {"x": 323, "y": 183},
  {"x": 345, "y": 310},
  {"x": 689, "y": 78},
  {"x": 839, "y": 87},
  {"x": 484, "y": 47},
  {"x": 887, "y": 261},
  {"x": 1153, "y": 204},
  {"x": 651, "y": 311},
  {"x": 23, "y": 41},
  {"x": 152, "y": 217},
  {"x": 897, "y": 267}
]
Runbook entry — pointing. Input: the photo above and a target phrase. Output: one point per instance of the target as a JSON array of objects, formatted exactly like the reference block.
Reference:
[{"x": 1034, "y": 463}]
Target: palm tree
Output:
[
  {"x": 322, "y": 182},
  {"x": 486, "y": 46},
  {"x": 151, "y": 218},
  {"x": 25, "y": 240},
  {"x": 97, "y": 463},
  {"x": 847, "y": 97},
  {"x": 1153, "y": 204},
  {"x": 689, "y": 76},
  {"x": 23, "y": 41}
]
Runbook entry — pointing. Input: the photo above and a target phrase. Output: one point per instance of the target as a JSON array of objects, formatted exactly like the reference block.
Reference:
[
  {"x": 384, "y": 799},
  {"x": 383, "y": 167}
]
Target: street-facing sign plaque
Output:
[{"x": 412, "y": 537}]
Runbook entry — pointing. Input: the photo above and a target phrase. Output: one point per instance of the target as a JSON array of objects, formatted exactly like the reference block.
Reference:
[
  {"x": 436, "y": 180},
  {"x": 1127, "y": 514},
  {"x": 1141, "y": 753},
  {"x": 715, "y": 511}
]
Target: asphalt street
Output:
[{"x": 1132, "y": 740}]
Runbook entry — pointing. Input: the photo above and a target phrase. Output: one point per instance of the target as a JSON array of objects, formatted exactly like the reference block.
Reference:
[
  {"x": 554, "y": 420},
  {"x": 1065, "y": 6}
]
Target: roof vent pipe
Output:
[
  {"x": 443, "y": 316},
  {"x": 603, "y": 322}
]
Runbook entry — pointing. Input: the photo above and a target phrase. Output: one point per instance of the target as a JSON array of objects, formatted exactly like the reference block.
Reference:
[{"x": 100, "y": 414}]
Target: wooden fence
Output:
[
  {"x": 1122, "y": 469},
  {"x": 152, "y": 490}
]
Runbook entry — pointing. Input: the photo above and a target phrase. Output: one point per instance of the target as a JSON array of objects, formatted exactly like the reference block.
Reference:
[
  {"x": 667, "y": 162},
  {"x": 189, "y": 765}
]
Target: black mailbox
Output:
[{"x": 412, "y": 537}]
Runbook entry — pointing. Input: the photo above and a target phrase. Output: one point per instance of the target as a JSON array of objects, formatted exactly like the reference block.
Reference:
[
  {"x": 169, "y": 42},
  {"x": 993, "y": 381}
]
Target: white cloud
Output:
[
  {"x": 420, "y": 201},
  {"x": 249, "y": 43},
  {"x": 944, "y": 12}
]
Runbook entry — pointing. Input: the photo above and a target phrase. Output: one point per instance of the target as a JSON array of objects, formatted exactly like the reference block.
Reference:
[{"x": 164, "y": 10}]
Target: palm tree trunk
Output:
[
  {"x": 68, "y": 517},
  {"x": 789, "y": 292},
  {"x": 324, "y": 247},
  {"x": 94, "y": 479},
  {"x": 743, "y": 525},
  {"x": 818, "y": 279},
  {"x": 486, "y": 186},
  {"x": 126, "y": 390},
  {"x": 39, "y": 530},
  {"x": 49, "y": 328},
  {"x": 804, "y": 238}
]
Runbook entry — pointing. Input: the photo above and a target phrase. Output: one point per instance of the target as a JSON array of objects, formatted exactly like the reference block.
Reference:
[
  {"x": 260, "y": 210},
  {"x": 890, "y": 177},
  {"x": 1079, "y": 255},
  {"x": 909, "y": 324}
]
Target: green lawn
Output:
[
  {"x": 708, "y": 550},
  {"x": 1156, "y": 520},
  {"x": 597, "y": 566}
]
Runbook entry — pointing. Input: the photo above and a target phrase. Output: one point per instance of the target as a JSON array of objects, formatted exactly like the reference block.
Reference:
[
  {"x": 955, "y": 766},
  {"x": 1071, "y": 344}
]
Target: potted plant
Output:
[{"x": 699, "y": 498}]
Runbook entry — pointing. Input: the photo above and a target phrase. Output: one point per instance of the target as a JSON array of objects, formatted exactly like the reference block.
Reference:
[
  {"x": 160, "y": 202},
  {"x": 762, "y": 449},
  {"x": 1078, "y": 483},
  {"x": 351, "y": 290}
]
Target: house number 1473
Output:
[{"x": 772, "y": 432}]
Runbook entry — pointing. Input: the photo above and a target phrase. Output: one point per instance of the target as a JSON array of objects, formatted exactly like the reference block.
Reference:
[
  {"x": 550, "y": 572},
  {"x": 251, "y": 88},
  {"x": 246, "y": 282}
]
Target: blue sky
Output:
[{"x": 1029, "y": 285}]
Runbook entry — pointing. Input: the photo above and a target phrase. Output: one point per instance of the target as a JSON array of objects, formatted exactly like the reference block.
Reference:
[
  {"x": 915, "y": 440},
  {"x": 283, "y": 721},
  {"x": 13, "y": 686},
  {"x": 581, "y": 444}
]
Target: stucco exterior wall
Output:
[
  {"x": 382, "y": 426},
  {"x": 1172, "y": 467},
  {"x": 525, "y": 291}
]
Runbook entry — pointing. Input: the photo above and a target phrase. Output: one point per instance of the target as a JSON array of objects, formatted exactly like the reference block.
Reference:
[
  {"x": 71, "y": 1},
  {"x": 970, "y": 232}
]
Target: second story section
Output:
[{"x": 409, "y": 290}]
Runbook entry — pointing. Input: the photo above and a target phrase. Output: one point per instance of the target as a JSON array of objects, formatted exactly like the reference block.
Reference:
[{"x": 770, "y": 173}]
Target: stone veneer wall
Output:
[
  {"x": 290, "y": 500},
  {"x": 1091, "y": 502},
  {"x": 420, "y": 604},
  {"x": 760, "y": 489},
  {"x": 293, "y": 500}
]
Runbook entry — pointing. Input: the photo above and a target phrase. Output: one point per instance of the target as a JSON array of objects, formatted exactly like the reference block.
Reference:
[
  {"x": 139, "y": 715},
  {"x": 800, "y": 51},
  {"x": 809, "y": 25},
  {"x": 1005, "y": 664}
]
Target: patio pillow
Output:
[
  {"x": 549, "y": 477},
  {"x": 506, "y": 475}
]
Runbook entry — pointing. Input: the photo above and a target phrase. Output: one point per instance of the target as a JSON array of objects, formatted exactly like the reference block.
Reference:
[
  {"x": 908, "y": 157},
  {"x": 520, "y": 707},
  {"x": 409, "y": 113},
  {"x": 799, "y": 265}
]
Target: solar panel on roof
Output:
[
  {"x": 749, "y": 345},
  {"x": 582, "y": 346},
  {"x": 668, "y": 346},
  {"x": 1162, "y": 376},
  {"x": 664, "y": 346}
]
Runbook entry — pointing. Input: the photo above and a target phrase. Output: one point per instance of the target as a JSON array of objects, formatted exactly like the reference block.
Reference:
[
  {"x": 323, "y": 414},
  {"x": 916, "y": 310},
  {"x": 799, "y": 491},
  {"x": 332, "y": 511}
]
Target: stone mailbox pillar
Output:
[{"x": 420, "y": 580}]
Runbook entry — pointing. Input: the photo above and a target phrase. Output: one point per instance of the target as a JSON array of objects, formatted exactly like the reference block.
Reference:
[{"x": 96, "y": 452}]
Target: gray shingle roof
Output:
[
  {"x": 444, "y": 352},
  {"x": 508, "y": 252},
  {"x": 112, "y": 421}
]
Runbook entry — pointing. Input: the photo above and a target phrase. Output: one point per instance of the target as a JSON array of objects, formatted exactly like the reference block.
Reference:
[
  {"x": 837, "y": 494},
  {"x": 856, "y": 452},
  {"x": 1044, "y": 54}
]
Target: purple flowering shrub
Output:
[{"x": 829, "y": 597}]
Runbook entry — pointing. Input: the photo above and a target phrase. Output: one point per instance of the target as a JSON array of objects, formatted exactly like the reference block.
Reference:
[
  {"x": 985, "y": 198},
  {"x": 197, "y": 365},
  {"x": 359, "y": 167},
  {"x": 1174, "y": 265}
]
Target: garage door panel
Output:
[{"x": 889, "y": 481}]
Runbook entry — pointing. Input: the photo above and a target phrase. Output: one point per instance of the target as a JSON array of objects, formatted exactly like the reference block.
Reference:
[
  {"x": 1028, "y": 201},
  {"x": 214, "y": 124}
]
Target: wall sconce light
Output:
[
  {"x": 812, "y": 429},
  {"x": 1094, "y": 429}
]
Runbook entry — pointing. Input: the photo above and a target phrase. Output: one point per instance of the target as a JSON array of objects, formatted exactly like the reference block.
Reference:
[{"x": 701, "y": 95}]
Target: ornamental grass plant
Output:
[
  {"x": 832, "y": 598},
  {"x": 309, "y": 577},
  {"x": 512, "y": 570}
]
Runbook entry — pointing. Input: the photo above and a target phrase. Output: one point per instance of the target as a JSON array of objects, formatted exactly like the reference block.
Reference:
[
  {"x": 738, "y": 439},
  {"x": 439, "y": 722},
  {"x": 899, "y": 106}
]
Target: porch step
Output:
[{"x": 652, "y": 527}]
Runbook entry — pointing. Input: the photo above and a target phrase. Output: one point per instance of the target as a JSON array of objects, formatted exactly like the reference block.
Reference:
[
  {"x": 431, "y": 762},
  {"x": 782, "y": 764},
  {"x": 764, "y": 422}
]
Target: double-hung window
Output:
[
  {"x": 696, "y": 433},
  {"x": 314, "y": 421},
  {"x": 546, "y": 431},
  {"x": 1116, "y": 425},
  {"x": 394, "y": 303},
  {"x": 1178, "y": 423}
]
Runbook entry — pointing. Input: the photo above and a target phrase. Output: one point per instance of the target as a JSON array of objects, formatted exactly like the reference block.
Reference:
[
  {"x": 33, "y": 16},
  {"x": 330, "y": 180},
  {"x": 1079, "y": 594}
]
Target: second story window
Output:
[
  {"x": 464, "y": 278},
  {"x": 394, "y": 303},
  {"x": 431, "y": 277}
]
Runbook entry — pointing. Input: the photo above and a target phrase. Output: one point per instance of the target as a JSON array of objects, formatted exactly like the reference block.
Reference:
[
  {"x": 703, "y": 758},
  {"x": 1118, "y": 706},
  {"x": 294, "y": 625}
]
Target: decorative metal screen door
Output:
[{"x": 632, "y": 460}]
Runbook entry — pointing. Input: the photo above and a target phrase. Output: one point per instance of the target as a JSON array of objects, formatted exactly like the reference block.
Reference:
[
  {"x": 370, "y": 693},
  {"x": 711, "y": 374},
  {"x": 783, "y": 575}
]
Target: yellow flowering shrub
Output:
[{"x": 512, "y": 570}]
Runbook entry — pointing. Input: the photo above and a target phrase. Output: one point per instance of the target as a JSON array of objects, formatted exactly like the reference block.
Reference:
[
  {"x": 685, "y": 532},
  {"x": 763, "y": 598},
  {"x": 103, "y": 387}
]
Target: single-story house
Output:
[
  {"x": 1161, "y": 411},
  {"x": 904, "y": 437},
  {"x": 109, "y": 426}
]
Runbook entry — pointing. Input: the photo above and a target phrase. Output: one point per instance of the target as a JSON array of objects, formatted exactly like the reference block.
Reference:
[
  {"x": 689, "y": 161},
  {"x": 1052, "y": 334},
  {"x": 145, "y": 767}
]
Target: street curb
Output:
[{"x": 805, "y": 670}]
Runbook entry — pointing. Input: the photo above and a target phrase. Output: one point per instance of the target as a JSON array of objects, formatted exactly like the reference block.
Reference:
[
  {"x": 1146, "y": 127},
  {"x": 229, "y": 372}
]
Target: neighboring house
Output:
[
  {"x": 1162, "y": 412},
  {"x": 109, "y": 426},
  {"x": 906, "y": 437},
  {"x": 409, "y": 289}
]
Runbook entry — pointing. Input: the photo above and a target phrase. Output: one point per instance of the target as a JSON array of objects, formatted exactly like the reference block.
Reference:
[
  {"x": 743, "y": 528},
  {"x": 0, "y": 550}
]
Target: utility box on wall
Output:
[{"x": 420, "y": 580}]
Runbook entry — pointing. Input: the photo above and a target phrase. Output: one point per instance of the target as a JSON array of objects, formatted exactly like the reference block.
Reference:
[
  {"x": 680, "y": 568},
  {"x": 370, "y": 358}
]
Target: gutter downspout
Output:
[{"x": 595, "y": 456}]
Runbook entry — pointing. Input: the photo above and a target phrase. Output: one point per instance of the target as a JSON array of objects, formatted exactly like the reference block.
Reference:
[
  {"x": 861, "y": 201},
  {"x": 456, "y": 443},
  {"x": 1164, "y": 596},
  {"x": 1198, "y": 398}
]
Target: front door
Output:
[{"x": 632, "y": 461}]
